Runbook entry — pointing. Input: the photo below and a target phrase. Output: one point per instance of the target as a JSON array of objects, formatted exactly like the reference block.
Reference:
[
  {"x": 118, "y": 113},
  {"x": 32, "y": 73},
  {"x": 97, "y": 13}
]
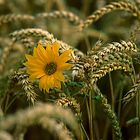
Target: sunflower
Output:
[{"x": 47, "y": 65}]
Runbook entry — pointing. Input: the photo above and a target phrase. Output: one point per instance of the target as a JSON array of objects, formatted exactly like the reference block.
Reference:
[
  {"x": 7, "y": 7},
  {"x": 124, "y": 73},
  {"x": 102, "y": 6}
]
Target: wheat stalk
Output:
[
  {"x": 107, "y": 69},
  {"x": 33, "y": 32},
  {"x": 5, "y": 136},
  {"x": 97, "y": 64},
  {"x": 131, "y": 93},
  {"x": 69, "y": 102},
  {"x": 55, "y": 128},
  {"x": 31, "y": 116},
  {"x": 5, "y": 54},
  {"x": 22, "y": 78},
  {"x": 125, "y": 6},
  {"x": 27, "y": 42},
  {"x": 15, "y": 17},
  {"x": 24, "y": 33},
  {"x": 61, "y": 14},
  {"x": 36, "y": 32}
]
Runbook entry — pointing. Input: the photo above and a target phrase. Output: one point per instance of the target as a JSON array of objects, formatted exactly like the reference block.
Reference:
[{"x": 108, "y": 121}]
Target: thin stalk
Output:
[
  {"x": 112, "y": 93},
  {"x": 96, "y": 128},
  {"x": 8, "y": 104},
  {"x": 119, "y": 104},
  {"x": 110, "y": 113},
  {"x": 91, "y": 115},
  {"x": 137, "y": 113},
  {"x": 106, "y": 128},
  {"x": 87, "y": 41},
  {"x": 87, "y": 137},
  {"x": 138, "y": 94},
  {"x": 133, "y": 77},
  {"x": 88, "y": 111},
  {"x": 112, "y": 97},
  {"x": 85, "y": 6}
]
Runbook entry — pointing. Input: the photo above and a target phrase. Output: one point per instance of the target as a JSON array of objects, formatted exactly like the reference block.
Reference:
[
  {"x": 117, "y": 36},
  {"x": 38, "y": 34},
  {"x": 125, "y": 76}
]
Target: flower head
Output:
[{"x": 47, "y": 65}]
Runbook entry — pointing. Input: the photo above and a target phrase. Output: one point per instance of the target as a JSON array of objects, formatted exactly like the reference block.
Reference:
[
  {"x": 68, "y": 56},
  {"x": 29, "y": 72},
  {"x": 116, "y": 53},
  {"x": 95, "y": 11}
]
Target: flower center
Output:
[{"x": 50, "y": 68}]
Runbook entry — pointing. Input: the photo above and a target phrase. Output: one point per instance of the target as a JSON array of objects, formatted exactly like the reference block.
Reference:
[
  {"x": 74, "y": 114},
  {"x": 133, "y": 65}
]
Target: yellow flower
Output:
[{"x": 47, "y": 65}]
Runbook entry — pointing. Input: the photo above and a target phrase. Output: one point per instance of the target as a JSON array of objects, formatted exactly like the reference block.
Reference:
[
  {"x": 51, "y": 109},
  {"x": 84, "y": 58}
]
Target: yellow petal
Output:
[
  {"x": 64, "y": 66},
  {"x": 64, "y": 57},
  {"x": 55, "y": 48},
  {"x": 29, "y": 57},
  {"x": 50, "y": 81},
  {"x": 50, "y": 53},
  {"x": 40, "y": 53},
  {"x": 33, "y": 60},
  {"x": 35, "y": 75},
  {"x": 57, "y": 84},
  {"x": 59, "y": 76},
  {"x": 38, "y": 71},
  {"x": 43, "y": 83},
  {"x": 35, "y": 65}
]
